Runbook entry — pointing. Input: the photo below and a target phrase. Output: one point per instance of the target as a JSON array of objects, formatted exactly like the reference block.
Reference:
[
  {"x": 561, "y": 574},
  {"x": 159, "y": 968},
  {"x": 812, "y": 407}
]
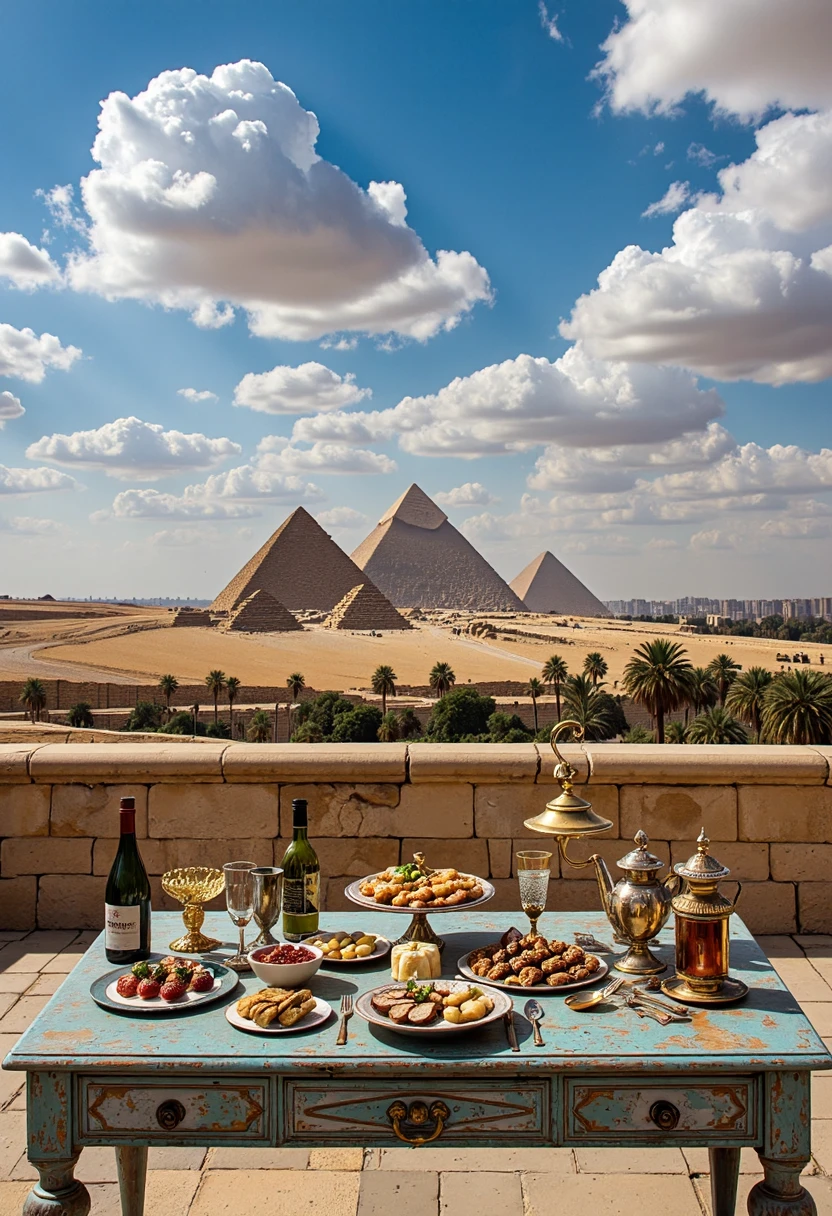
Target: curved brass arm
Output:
[
  {"x": 418, "y": 1114},
  {"x": 563, "y": 841},
  {"x": 565, "y": 772}
]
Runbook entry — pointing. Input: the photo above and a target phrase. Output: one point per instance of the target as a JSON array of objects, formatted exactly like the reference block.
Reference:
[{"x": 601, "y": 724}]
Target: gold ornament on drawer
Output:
[
  {"x": 193, "y": 887},
  {"x": 418, "y": 1116}
]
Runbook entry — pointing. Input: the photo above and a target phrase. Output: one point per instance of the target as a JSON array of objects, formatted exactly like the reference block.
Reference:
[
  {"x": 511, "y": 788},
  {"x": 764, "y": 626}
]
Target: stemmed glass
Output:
[
  {"x": 533, "y": 877},
  {"x": 239, "y": 898}
]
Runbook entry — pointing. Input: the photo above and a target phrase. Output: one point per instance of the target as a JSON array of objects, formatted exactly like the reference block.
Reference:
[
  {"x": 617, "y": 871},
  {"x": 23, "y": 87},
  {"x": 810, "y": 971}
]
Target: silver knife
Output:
[{"x": 511, "y": 1033}]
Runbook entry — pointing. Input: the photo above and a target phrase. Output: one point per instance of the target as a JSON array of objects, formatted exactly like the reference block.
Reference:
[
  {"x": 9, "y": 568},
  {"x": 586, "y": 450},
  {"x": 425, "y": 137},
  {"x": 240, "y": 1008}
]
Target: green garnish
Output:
[{"x": 419, "y": 994}]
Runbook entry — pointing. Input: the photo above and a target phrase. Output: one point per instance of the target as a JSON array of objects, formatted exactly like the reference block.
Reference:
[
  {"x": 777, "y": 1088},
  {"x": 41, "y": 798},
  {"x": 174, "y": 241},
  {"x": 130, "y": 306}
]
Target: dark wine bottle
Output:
[
  {"x": 301, "y": 879},
  {"x": 127, "y": 898}
]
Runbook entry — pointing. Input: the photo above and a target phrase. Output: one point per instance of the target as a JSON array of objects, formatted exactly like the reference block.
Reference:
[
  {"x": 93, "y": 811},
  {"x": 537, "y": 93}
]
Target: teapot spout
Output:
[{"x": 605, "y": 883}]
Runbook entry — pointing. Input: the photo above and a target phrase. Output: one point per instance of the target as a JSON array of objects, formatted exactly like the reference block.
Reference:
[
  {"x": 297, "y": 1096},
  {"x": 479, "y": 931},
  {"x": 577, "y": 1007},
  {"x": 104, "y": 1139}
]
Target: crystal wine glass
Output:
[
  {"x": 533, "y": 877},
  {"x": 239, "y": 898}
]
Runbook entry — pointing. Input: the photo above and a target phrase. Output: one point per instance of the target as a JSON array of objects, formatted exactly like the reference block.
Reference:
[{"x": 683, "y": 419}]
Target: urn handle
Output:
[
  {"x": 417, "y": 1115},
  {"x": 665, "y": 1115},
  {"x": 170, "y": 1114}
]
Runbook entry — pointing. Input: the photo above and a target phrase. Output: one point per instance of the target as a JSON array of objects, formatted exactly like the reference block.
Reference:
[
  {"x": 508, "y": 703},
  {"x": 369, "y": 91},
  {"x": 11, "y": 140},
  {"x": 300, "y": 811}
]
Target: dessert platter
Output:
[
  {"x": 163, "y": 984},
  {"x": 436, "y": 1009},
  {"x": 278, "y": 1011},
  {"x": 532, "y": 964}
]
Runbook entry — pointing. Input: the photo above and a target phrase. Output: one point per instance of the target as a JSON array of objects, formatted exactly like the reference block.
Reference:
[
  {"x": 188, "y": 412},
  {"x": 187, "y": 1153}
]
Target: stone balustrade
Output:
[{"x": 768, "y": 811}]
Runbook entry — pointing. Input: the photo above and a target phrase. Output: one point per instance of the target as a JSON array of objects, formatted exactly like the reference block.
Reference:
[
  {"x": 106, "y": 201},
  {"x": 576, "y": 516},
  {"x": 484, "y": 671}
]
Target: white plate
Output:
[
  {"x": 353, "y": 893},
  {"x": 315, "y": 1017},
  {"x": 440, "y": 1028},
  {"x": 603, "y": 968},
  {"x": 381, "y": 950},
  {"x": 156, "y": 1002}
]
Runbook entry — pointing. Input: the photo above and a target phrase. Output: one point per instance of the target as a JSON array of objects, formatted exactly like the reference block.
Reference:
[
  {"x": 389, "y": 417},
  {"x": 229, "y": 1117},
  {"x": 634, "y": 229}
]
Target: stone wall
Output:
[{"x": 768, "y": 811}]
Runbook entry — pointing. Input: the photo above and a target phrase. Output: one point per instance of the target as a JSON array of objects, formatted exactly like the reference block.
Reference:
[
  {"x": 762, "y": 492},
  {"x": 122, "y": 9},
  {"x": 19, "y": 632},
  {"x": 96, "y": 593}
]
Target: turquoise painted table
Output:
[{"x": 730, "y": 1078}]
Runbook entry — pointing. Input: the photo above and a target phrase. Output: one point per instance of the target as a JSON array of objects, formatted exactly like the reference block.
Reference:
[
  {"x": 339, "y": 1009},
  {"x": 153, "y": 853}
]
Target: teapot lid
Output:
[
  {"x": 640, "y": 858},
  {"x": 702, "y": 866}
]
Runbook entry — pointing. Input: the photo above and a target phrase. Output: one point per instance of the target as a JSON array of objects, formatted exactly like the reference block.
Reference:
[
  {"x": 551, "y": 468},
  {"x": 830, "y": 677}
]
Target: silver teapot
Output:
[{"x": 638, "y": 905}]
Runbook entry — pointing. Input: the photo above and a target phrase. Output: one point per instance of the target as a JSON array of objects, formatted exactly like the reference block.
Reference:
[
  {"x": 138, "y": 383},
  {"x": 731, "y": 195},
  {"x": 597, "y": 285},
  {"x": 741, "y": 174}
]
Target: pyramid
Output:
[
  {"x": 300, "y": 565},
  {"x": 416, "y": 557},
  {"x": 366, "y": 608},
  {"x": 262, "y": 613},
  {"x": 547, "y": 586}
]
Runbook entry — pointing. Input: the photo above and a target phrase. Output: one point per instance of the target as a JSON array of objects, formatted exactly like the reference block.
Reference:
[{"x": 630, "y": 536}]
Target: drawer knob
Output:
[
  {"x": 665, "y": 1115},
  {"x": 170, "y": 1114},
  {"x": 418, "y": 1115}
]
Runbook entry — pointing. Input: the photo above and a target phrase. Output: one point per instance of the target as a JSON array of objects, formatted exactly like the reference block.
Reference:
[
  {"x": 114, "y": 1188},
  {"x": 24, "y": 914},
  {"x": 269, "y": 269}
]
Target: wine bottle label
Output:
[
  {"x": 122, "y": 927},
  {"x": 302, "y": 896}
]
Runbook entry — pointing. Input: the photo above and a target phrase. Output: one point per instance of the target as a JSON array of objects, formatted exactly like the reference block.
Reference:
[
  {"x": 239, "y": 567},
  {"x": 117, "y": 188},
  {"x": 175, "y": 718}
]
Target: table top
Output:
[{"x": 766, "y": 1032}]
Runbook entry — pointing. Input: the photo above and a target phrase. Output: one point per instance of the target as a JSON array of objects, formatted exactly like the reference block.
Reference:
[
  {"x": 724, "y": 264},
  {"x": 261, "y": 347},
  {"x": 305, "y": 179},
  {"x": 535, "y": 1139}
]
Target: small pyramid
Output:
[
  {"x": 365, "y": 608},
  {"x": 417, "y": 558},
  {"x": 300, "y": 565},
  {"x": 547, "y": 586},
  {"x": 262, "y": 613}
]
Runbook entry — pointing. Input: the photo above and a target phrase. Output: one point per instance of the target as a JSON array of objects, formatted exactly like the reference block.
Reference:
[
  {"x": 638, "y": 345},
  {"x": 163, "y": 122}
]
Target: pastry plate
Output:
[
  {"x": 353, "y": 893},
  {"x": 465, "y": 970},
  {"x": 440, "y": 1028},
  {"x": 103, "y": 992},
  {"x": 316, "y": 1017}
]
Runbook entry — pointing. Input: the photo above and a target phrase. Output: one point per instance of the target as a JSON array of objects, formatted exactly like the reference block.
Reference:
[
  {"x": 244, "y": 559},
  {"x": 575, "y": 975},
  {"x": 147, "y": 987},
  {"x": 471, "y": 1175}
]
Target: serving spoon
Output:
[
  {"x": 579, "y": 1001},
  {"x": 534, "y": 1012}
]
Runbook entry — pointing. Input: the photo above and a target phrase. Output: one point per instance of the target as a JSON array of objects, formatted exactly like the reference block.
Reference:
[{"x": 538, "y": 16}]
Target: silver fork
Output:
[
  {"x": 613, "y": 986},
  {"x": 346, "y": 1014}
]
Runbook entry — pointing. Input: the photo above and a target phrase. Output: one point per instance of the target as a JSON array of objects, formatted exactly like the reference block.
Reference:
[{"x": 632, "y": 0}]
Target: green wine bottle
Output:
[
  {"x": 301, "y": 879},
  {"x": 127, "y": 897}
]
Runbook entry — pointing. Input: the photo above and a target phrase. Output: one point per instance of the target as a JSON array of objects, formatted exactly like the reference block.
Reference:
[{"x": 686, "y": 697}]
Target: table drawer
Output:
[
  {"x": 173, "y": 1112},
  {"x": 617, "y": 1111},
  {"x": 448, "y": 1112}
]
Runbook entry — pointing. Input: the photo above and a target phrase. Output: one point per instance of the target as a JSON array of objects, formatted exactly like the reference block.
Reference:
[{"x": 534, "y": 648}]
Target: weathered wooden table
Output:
[{"x": 730, "y": 1078}]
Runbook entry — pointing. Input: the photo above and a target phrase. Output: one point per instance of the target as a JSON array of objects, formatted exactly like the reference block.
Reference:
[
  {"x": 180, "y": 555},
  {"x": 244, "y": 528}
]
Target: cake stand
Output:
[{"x": 419, "y": 929}]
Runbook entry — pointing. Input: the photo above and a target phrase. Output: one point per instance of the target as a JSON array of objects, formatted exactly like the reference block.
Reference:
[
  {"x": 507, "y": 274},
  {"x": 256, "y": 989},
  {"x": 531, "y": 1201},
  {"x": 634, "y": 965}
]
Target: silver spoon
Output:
[
  {"x": 579, "y": 1001},
  {"x": 534, "y": 1012}
]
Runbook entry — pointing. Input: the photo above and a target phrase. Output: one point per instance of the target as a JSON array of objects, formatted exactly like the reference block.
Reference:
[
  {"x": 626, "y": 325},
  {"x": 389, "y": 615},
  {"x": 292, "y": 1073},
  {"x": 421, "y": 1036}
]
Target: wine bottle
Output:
[
  {"x": 301, "y": 879},
  {"x": 127, "y": 898}
]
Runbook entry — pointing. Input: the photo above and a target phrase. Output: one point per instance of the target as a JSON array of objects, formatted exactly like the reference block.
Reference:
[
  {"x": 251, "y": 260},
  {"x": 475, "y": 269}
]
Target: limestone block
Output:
[
  {"x": 18, "y": 898},
  {"x": 71, "y": 901},
  {"x": 159, "y": 856},
  {"x": 334, "y": 900},
  {"x": 212, "y": 811},
  {"x": 92, "y": 810},
  {"x": 566, "y": 895},
  {"x": 501, "y": 810},
  {"x": 499, "y": 858},
  {"x": 344, "y": 809},
  {"x": 747, "y": 862},
  {"x": 814, "y": 899},
  {"x": 437, "y": 810},
  {"x": 785, "y": 813},
  {"x": 469, "y": 856},
  {"x": 611, "y": 851},
  {"x": 506, "y": 899},
  {"x": 353, "y": 857},
  {"x": 314, "y": 762},
  {"x": 45, "y": 855},
  {"x": 90, "y": 763},
  {"x": 705, "y": 764},
  {"x": 537, "y": 843},
  {"x": 24, "y": 810},
  {"x": 801, "y": 863},
  {"x": 14, "y": 761},
  {"x": 675, "y": 812},
  {"x": 474, "y": 762},
  {"x": 769, "y": 907},
  {"x": 826, "y": 753}
]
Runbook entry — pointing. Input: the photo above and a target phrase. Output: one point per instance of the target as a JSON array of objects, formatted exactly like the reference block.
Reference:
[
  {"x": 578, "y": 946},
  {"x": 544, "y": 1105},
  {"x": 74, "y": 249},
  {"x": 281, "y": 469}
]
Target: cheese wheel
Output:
[{"x": 415, "y": 961}]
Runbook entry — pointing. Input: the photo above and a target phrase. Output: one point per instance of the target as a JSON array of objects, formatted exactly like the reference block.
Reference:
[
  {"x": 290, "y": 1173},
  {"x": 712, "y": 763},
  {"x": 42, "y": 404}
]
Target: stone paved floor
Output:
[{"x": 383, "y": 1182}]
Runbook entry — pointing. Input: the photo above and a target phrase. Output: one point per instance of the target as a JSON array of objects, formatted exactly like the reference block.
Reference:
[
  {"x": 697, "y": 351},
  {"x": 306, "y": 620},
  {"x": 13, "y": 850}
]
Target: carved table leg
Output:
[
  {"x": 58, "y": 1193},
  {"x": 725, "y": 1174},
  {"x": 132, "y": 1174},
  {"x": 786, "y": 1149},
  {"x": 50, "y": 1148}
]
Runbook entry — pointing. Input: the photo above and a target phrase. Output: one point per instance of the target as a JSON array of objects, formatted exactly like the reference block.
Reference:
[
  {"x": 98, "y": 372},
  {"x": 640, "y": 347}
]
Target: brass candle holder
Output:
[{"x": 193, "y": 887}]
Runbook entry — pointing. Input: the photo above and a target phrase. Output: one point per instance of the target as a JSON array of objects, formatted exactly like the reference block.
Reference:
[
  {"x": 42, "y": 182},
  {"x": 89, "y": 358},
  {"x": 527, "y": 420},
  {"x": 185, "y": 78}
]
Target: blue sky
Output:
[{"x": 678, "y": 449}]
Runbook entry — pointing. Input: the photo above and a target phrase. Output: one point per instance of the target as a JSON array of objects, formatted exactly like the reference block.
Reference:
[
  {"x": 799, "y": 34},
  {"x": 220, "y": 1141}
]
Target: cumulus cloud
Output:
[
  {"x": 210, "y": 195},
  {"x": 10, "y": 407},
  {"x": 470, "y": 494},
  {"x": 26, "y": 356},
  {"x": 180, "y": 538},
  {"x": 751, "y": 470},
  {"x": 151, "y": 504},
  {"x": 610, "y": 545},
  {"x": 276, "y": 453},
  {"x": 713, "y": 538},
  {"x": 673, "y": 199},
  {"x": 342, "y": 518},
  {"x": 256, "y": 483},
  {"x": 34, "y": 481},
  {"x": 26, "y": 525},
  {"x": 24, "y": 264},
  {"x": 196, "y": 395},
  {"x": 744, "y": 57},
  {"x": 307, "y": 389},
  {"x": 129, "y": 448}
]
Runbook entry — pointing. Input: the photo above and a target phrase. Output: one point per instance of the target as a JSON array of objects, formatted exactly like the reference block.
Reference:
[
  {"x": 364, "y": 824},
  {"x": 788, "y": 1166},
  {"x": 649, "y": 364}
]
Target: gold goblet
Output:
[{"x": 193, "y": 887}]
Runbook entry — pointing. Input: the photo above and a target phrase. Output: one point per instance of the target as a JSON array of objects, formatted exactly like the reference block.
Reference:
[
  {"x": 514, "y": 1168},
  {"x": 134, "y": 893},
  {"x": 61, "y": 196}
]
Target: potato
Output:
[
  {"x": 452, "y": 1014},
  {"x": 366, "y": 940},
  {"x": 472, "y": 1011},
  {"x": 334, "y": 954},
  {"x": 334, "y": 943},
  {"x": 348, "y": 952},
  {"x": 459, "y": 998},
  {"x": 363, "y": 951}
]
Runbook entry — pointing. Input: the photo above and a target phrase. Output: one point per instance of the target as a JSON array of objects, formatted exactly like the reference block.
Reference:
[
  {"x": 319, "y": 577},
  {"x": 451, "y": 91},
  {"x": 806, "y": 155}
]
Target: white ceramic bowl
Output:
[{"x": 285, "y": 975}]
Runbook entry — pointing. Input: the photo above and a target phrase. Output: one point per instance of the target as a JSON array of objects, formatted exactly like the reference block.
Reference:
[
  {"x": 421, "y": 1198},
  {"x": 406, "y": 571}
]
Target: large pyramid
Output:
[
  {"x": 366, "y": 608},
  {"x": 262, "y": 613},
  {"x": 300, "y": 565},
  {"x": 417, "y": 559},
  {"x": 547, "y": 586}
]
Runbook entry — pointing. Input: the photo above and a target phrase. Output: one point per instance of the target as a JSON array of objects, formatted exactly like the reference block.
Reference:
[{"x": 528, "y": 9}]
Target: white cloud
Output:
[
  {"x": 129, "y": 448},
  {"x": 673, "y": 199},
  {"x": 342, "y": 518},
  {"x": 24, "y": 264},
  {"x": 744, "y": 57},
  {"x": 307, "y": 389},
  {"x": 256, "y": 483},
  {"x": 196, "y": 395},
  {"x": 34, "y": 481},
  {"x": 339, "y": 343},
  {"x": 236, "y": 494},
  {"x": 61, "y": 203},
  {"x": 210, "y": 195},
  {"x": 151, "y": 504},
  {"x": 662, "y": 544},
  {"x": 714, "y": 538},
  {"x": 470, "y": 494},
  {"x": 10, "y": 407},
  {"x": 745, "y": 289},
  {"x": 26, "y": 356},
  {"x": 180, "y": 538},
  {"x": 703, "y": 156},
  {"x": 609, "y": 545},
  {"x": 751, "y": 470},
  {"x": 549, "y": 23},
  {"x": 26, "y": 525},
  {"x": 275, "y": 453},
  {"x": 797, "y": 529}
]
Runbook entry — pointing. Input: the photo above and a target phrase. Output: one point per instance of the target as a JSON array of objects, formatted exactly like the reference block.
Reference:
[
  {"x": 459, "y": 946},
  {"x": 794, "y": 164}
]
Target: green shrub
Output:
[
  {"x": 147, "y": 716},
  {"x": 360, "y": 725},
  {"x": 182, "y": 723},
  {"x": 460, "y": 713},
  {"x": 81, "y": 715}
]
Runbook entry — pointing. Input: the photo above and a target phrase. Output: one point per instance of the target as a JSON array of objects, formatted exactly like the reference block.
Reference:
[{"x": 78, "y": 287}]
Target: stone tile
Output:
[
  {"x": 24, "y": 811},
  {"x": 64, "y": 962},
  {"x": 481, "y": 1191},
  {"x": 11, "y": 1083},
  {"x": 230, "y": 1192},
  {"x": 167, "y": 1193},
  {"x": 287, "y": 762},
  {"x": 257, "y": 1159},
  {"x": 7, "y": 1002},
  {"x": 478, "y": 763},
  {"x": 35, "y": 950},
  {"x": 667, "y": 812},
  {"x": 478, "y": 1160},
  {"x": 74, "y": 899},
  {"x": 630, "y": 1161},
  {"x": 174, "y": 1158},
  {"x": 822, "y": 1143},
  {"x": 697, "y": 1159},
  {"x": 336, "y": 1158},
  {"x": 22, "y": 1014},
  {"x": 382, "y": 1194},
  {"x": 46, "y": 984},
  {"x": 12, "y": 1140},
  {"x": 802, "y": 980},
  {"x": 823, "y": 966},
  {"x": 778, "y": 813},
  {"x": 814, "y": 941},
  {"x": 125, "y": 763},
  {"x": 822, "y": 1095},
  {"x": 212, "y": 811},
  {"x": 12, "y": 1196},
  {"x": 16, "y": 981},
  {"x": 818, "y": 1013},
  {"x": 819, "y": 1188},
  {"x": 12, "y": 935},
  {"x": 610, "y": 1194},
  {"x": 778, "y": 946},
  {"x": 98, "y": 1164},
  {"x": 92, "y": 810}
]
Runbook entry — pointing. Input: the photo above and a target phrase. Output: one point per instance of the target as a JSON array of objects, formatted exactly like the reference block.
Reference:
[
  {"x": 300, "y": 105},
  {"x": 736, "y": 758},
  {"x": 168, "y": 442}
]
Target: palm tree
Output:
[
  {"x": 215, "y": 681},
  {"x": 703, "y": 692},
  {"x": 798, "y": 708},
  {"x": 723, "y": 671},
  {"x": 259, "y": 728},
  {"x": 33, "y": 697},
  {"x": 658, "y": 677},
  {"x": 441, "y": 678},
  {"x": 81, "y": 715},
  {"x": 675, "y": 732},
  {"x": 384, "y": 685},
  {"x": 296, "y": 683},
  {"x": 639, "y": 734},
  {"x": 232, "y": 687},
  {"x": 308, "y": 732},
  {"x": 716, "y": 725},
  {"x": 534, "y": 689},
  {"x": 389, "y": 729},
  {"x": 596, "y": 667},
  {"x": 583, "y": 703},
  {"x": 168, "y": 685},
  {"x": 409, "y": 724},
  {"x": 746, "y": 698},
  {"x": 555, "y": 672}
]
